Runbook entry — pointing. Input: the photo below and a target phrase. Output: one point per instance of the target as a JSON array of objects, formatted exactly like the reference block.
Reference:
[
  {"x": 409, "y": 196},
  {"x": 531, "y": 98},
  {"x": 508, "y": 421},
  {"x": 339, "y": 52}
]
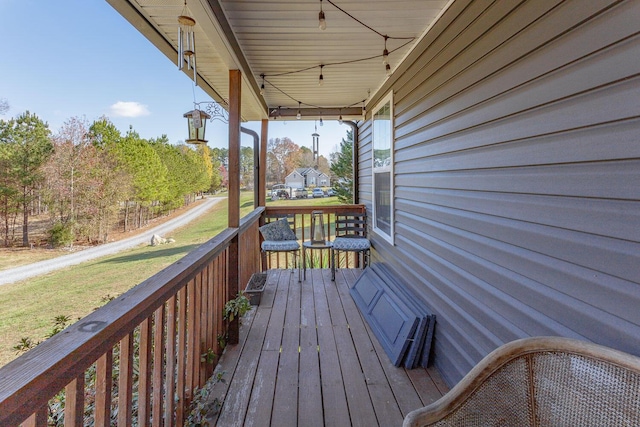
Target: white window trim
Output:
[{"x": 389, "y": 238}]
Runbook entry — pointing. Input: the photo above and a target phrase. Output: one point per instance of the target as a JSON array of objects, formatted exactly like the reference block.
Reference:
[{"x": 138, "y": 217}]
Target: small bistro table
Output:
[{"x": 311, "y": 246}]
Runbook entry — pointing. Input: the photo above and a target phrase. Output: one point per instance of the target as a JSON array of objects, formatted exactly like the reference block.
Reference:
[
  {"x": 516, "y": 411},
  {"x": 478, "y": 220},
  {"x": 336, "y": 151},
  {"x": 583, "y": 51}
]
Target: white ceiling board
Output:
[{"x": 282, "y": 36}]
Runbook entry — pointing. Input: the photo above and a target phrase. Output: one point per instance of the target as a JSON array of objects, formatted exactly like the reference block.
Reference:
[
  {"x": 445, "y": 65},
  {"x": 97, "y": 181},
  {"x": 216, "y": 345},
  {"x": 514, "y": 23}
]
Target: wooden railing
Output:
[
  {"x": 140, "y": 358},
  {"x": 318, "y": 258}
]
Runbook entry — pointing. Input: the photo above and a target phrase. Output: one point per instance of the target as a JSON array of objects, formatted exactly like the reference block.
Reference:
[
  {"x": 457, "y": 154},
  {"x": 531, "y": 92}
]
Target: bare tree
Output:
[
  {"x": 4, "y": 106},
  {"x": 282, "y": 158}
]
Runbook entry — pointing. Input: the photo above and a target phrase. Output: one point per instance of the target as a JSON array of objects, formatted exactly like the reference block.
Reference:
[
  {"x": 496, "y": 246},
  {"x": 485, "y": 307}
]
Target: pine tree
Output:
[
  {"x": 30, "y": 138},
  {"x": 342, "y": 169}
]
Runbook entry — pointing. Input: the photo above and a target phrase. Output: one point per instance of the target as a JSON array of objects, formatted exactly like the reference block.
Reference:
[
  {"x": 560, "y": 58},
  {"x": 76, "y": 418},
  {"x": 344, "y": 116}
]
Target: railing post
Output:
[
  {"x": 235, "y": 84},
  {"x": 262, "y": 170}
]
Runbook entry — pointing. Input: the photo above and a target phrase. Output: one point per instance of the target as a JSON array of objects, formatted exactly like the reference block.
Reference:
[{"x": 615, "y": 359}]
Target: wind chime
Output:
[
  {"x": 187, "y": 42},
  {"x": 316, "y": 144}
]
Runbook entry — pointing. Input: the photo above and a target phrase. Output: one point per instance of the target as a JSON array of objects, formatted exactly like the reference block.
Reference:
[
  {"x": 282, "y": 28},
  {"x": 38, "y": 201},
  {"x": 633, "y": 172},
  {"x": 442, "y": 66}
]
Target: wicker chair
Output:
[{"x": 545, "y": 381}]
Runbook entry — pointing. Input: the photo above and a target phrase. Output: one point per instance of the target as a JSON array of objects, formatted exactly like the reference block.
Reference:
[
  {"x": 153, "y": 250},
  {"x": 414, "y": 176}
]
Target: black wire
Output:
[
  {"x": 365, "y": 25},
  {"x": 304, "y": 103},
  {"x": 351, "y": 61}
]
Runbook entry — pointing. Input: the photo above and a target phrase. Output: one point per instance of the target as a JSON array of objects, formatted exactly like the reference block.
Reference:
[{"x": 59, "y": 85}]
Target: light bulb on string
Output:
[
  {"x": 322, "y": 22},
  {"x": 321, "y": 78},
  {"x": 299, "y": 115},
  {"x": 385, "y": 52},
  {"x": 388, "y": 70},
  {"x": 262, "y": 85},
  {"x": 340, "y": 118}
]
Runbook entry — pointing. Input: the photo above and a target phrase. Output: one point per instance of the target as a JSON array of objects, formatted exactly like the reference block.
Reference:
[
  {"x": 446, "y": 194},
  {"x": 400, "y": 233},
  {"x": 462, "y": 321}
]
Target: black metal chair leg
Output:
[{"x": 333, "y": 265}]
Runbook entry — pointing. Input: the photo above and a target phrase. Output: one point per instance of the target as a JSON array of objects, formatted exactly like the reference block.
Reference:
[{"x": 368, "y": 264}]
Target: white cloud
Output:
[{"x": 129, "y": 109}]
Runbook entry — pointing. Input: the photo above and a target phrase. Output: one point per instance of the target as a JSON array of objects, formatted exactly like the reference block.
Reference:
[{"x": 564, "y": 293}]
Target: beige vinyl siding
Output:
[{"x": 517, "y": 175}]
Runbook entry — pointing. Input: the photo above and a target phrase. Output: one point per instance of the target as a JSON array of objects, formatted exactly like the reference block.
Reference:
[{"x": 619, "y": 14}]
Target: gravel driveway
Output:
[{"x": 23, "y": 272}]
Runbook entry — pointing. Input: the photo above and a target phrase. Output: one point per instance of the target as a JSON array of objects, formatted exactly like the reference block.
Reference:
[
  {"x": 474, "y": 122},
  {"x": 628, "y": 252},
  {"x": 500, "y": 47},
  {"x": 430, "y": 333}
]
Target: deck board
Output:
[{"x": 307, "y": 358}]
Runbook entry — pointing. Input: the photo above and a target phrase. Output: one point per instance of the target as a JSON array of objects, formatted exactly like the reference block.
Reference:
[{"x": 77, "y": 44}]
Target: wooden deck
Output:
[{"x": 306, "y": 358}]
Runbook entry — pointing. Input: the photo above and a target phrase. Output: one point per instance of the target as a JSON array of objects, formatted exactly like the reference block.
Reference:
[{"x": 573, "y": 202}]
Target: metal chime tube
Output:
[
  {"x": 193, "y": 56},
  {"x": 187, "y": 42},
  {"x": 180, "y": 52},
  {"x": 189, "y": 49}
]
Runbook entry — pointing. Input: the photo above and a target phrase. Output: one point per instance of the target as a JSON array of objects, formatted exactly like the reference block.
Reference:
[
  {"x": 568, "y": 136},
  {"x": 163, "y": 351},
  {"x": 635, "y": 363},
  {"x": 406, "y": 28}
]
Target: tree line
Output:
[{"x": 87, "y": 175}]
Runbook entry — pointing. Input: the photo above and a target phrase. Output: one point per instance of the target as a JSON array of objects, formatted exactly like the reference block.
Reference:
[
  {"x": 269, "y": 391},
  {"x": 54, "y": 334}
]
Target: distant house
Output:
[{"x": 307, "y": 177}]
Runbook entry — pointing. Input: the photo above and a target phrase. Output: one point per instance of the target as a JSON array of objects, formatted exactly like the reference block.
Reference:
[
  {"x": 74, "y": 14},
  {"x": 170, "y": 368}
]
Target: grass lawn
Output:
[
  {"x": 28, "y": 308},
  {"x": 320, "y": 201},
  {"x": 16, "y": 257}
]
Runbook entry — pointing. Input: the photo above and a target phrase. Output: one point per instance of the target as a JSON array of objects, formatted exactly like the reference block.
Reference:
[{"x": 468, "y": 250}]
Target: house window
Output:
[{"x": 383, "y": 168}]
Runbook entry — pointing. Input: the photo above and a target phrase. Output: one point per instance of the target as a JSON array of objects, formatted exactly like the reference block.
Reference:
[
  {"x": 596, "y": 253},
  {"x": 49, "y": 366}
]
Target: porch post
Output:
[
  {"x": 262, "y": 171},
  {"x": 235, "y": 82}
]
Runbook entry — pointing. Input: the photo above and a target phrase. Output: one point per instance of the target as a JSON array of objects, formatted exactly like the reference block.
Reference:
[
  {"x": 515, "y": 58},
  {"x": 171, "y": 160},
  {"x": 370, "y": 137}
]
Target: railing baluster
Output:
[
  {"x": 38, "y": 419},
  {"x": 74, "y": 402},
  {"x": 171, "y": 362},
  {"x": 191, "y": 341},
  {"x": 211, "y": 338},
  {"x": 182, "y": 346},
  {"x": 225, "y": 290},
  {"x": 125, "y": 381},
  {"x": 104, "y": 380},
  {"x": 158, "y": 367},
  {"x": 144, "y": 379},
  {"x": 204, "y": 301},
  {"x": 197, "y": 344},
  {"x": 217, "y": 298}
]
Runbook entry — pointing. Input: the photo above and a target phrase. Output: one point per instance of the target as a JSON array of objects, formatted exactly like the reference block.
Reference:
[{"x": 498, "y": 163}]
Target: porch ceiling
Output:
[{"x": 277, "y": 38}]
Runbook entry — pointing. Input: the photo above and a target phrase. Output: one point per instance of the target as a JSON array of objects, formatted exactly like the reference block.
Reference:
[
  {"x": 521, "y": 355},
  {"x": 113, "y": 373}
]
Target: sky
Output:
[{"x": 61, "y": 59}]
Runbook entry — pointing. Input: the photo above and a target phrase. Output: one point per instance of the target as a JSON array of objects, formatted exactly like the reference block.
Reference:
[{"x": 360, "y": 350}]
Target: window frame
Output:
[{"x": 388, "y": 99}]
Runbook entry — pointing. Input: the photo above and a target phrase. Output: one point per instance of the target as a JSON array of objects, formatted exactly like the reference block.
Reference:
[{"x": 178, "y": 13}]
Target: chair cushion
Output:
[
  {"x": 280, "y": 245},
  {"x": 277, "y": 231},
  {"x": 351, "y": 244}
]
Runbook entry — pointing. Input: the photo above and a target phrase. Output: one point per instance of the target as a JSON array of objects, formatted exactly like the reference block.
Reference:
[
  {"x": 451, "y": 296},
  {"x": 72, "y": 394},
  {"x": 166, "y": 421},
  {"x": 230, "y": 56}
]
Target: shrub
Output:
[{"x": 61, "y": 235}]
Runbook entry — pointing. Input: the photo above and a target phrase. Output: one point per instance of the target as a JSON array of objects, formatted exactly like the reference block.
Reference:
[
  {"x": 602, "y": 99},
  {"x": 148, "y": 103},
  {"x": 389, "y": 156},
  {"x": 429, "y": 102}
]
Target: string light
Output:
[
  {"x": 322, "y": 25},
  {"x": 385, "y": 52},
  {"x": 300, "y": 103},
  {"x": 364, "y": 111},
  {"x": 340, "y": 118},
  {"x": 322, "y": 22}
]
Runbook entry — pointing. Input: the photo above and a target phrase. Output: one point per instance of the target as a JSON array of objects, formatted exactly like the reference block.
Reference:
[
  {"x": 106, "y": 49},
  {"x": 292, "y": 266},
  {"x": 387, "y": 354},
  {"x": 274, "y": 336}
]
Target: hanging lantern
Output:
[
  {"x": 187, "y": 41},
  {"x": 197, "y": 123},
  {"x": 317, "y": 228}
]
